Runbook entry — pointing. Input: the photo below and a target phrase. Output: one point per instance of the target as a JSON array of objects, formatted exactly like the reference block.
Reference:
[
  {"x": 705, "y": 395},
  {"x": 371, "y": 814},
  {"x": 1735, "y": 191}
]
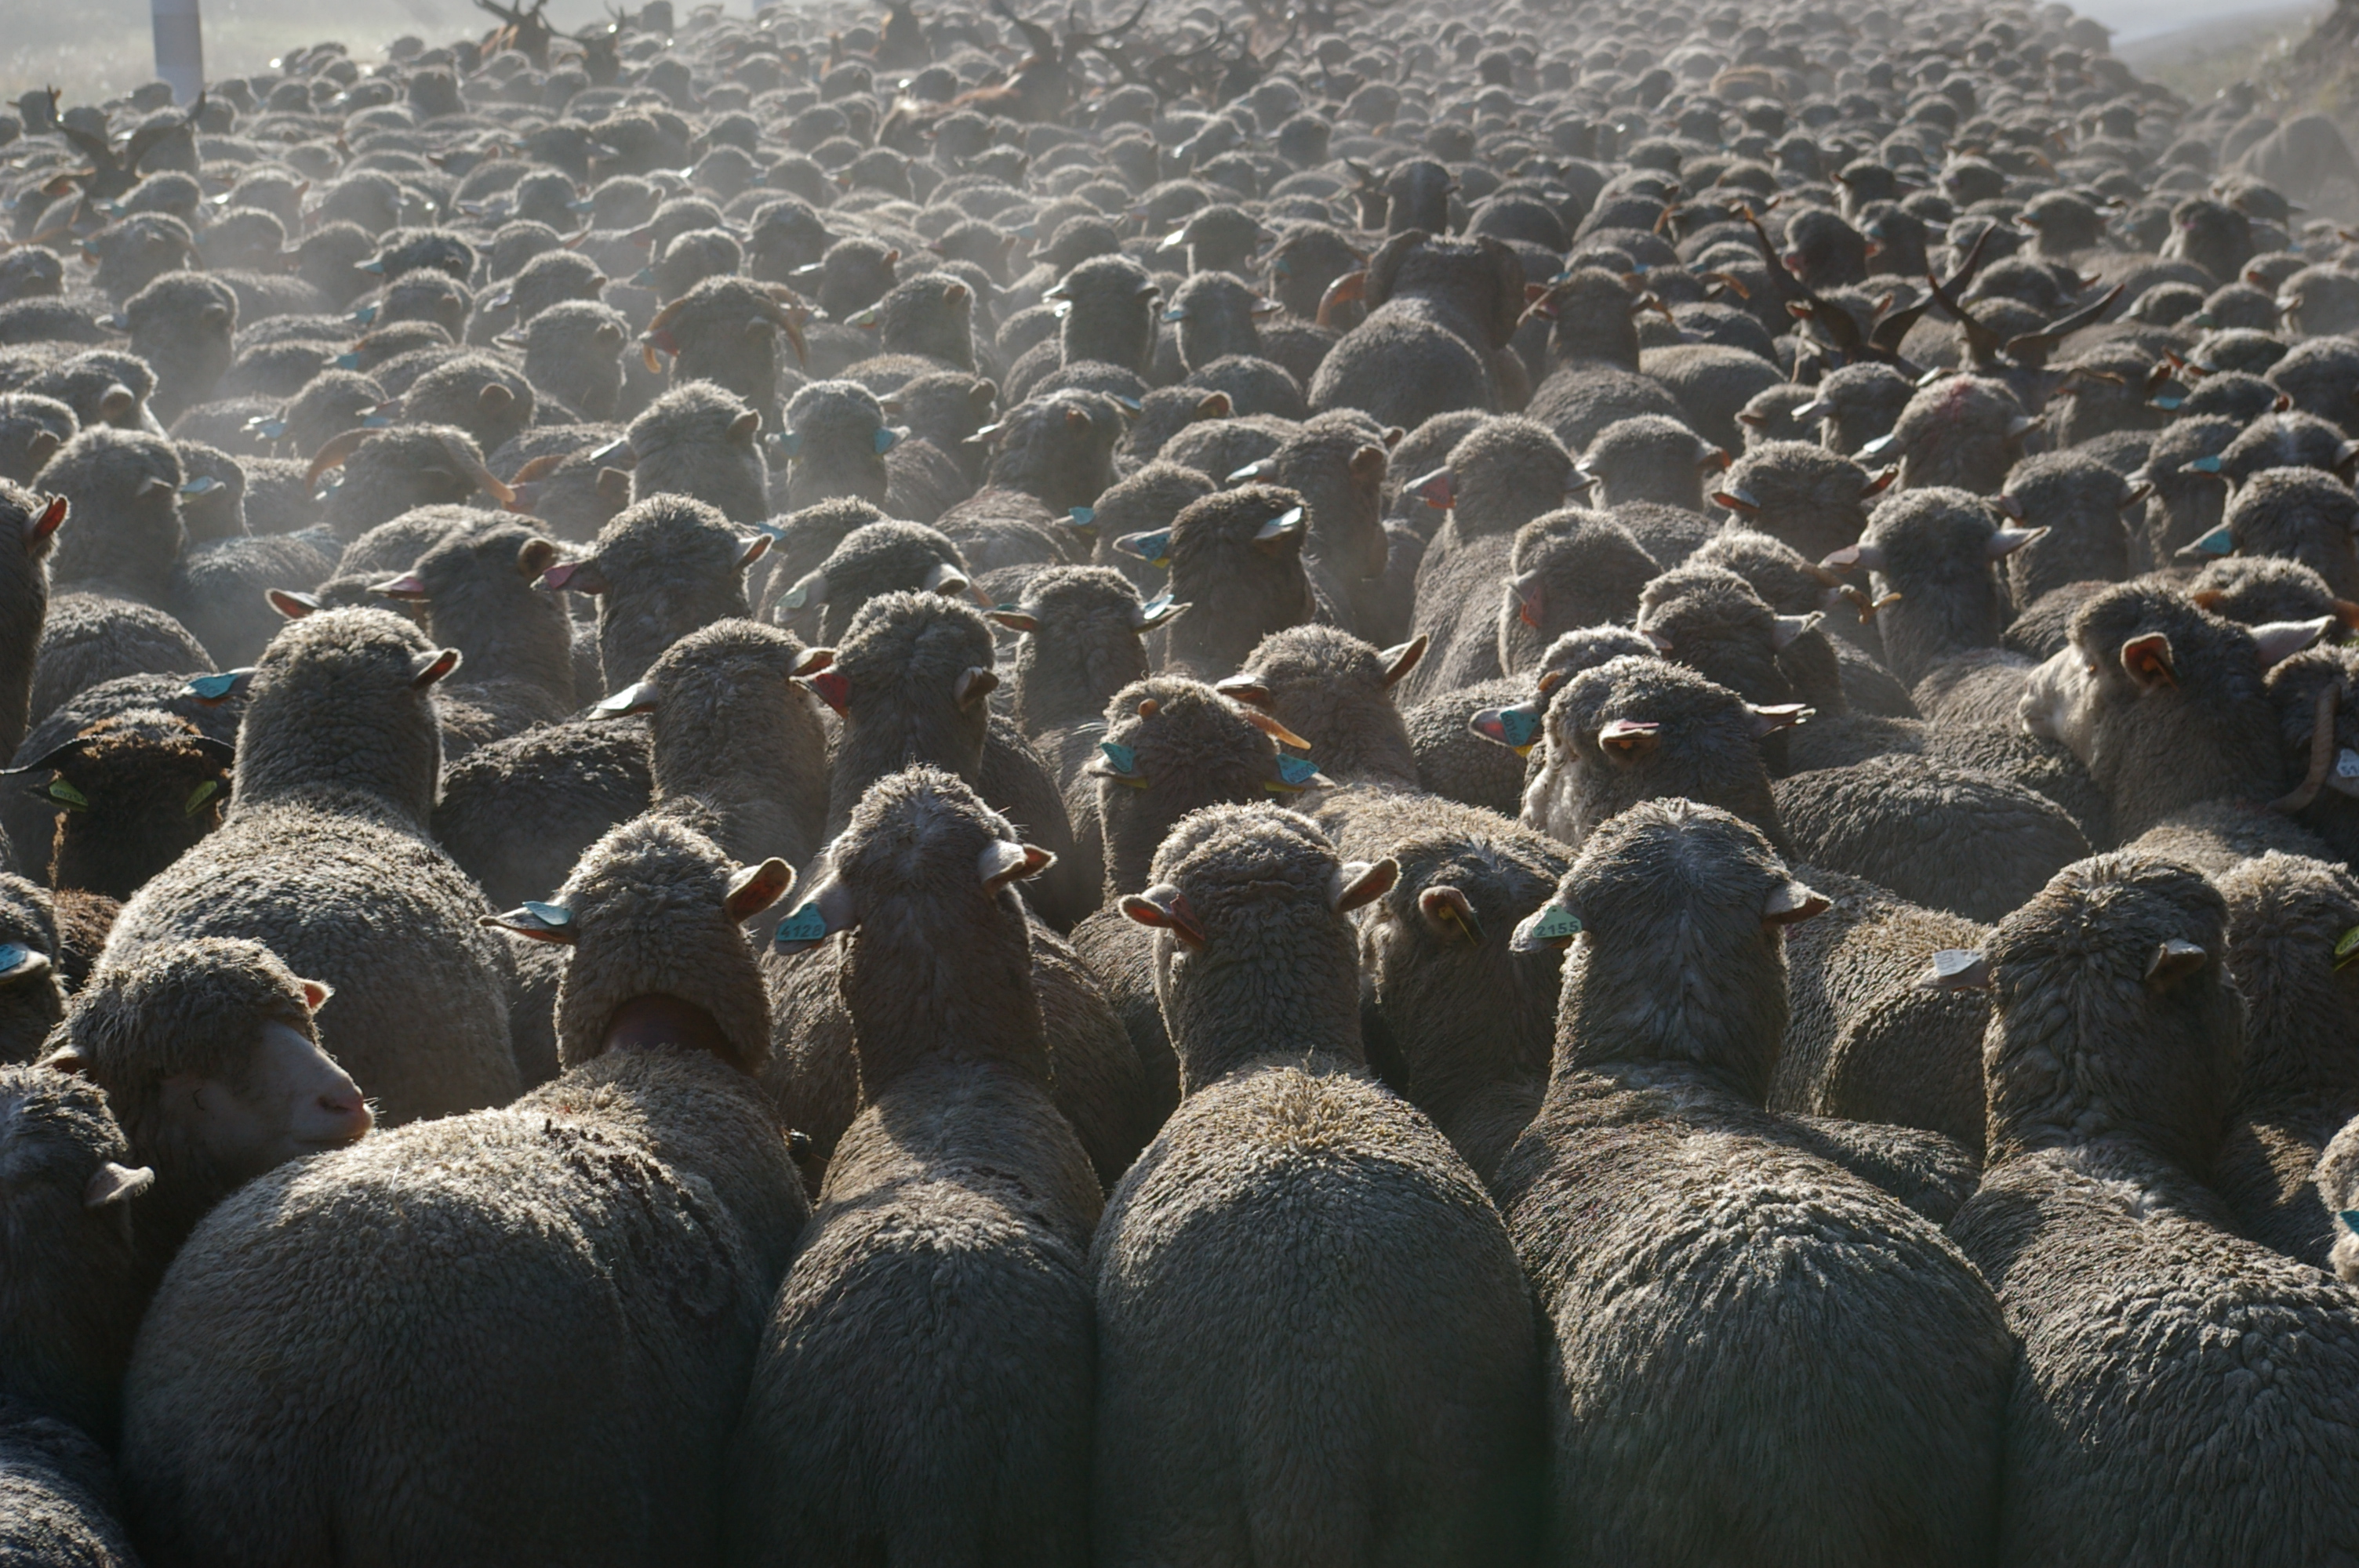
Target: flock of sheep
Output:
[{"x": 1353, "y": 784}]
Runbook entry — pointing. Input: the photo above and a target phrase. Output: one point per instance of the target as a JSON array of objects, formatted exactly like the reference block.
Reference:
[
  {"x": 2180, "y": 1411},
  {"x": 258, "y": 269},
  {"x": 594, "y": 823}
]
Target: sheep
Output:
[
  {"x": 1338, "y": 691},
  {"x": 572, "y": 782},
  {"x": 875, "y": 558},
  {"x": 2188, "y": 498},
  {"x": 1459, "y": 764},
  {"x": 2163, "y": 703},
  {"x": 391, "y": 472},
  {"x": 132, "y": 794},
  {"x": 1237, "y": 557},
  {"x": 32, "y": 428},
  {"x": 1325, "y": 1383},
  {"x": 1048, "y": 456},
  {"x": 31, "y": 522},
  {"x": 515, "y": 645},
  {"x": 740, "y": 751},
  {"x": 181, "y": 324},
  {"x": 211, "y": 1061},
  {"x": 59, "y": 1502},
  {"x": 1144, "y": 501},
  {"x": 89, "y": 639},
  {"x": 219, "y": 587},
  {"x": 663, "y": 568},
  {"x": 2291, "y": 514},
  {"x": 835, "y": 438},
  {"x": 1649, "y": 458},
  {"x": 1960, "y": 431},
  {"x": 1504, "y": 474},
  {"x": 474, "y": 393},
  {"x": 572, "y": 354},
  {"x": 1110, "y": 314},
  {"x": 1337, "y": 464},
  {"x": 1858, "y": 406},
  {"x": 325, "y": 838},
  {"x": 645, "y": 1198},
  {"x": 1813, "y": 500},
  {"x": 2338, "y": 1188},
  {"x": 2080, "y": 502},
  {"x": 1081, "y": 642},
  {"x": 941, "y": 1274},
  {"x": 1662, "y": 1216},
  {"x": 2112, "y": 1058},
  {"x": 75, "y": 1287},
  {"x": 1569, "y": 570},
  {"x": 1935, "y": 546},
  {"x": 697, "y": 440},
  {"x": 123, "y": 487},
  {"x": 2287, "y": 919},
  {"x": 1438, "y": 316}
]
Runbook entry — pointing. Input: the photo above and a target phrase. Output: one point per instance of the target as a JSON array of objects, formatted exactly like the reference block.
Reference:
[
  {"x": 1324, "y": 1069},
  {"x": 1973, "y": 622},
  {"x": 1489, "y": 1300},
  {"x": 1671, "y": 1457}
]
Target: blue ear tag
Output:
[
  {"x": 1082, "y": 518},
  {"x": 794, "y": 597},
  {"x": 14, "y": 956},
  {"x": 2206, "y": 465},
  {"x": 788, "y": 442},
  {"x": 1295, "y": 772},
  {"x": 1176, "y": 313},
  {"x": 1123, "y": 758},
  {"x": 1519, "y": 726},
  {"x": 1155, "y": 549},
  {"x": 643, "y": 278},
  {"x": 548, "y": 913},
  {"x": 1555, "y": 921},
  {"x": 203, "y": 484},
  {"x": 365, "y": 315},
  {"x": 347, "y": 362},
  {"x": 885, "y": 438},
  {"x": 2169, "y": 405},
  {"x": 805, "y": 924},
  {"x": 1158, "y": 605},
  {"x": 213, "y": 688},
  {"x": 1131, "y": 404},
  {"x": 2218, "y": 542}
]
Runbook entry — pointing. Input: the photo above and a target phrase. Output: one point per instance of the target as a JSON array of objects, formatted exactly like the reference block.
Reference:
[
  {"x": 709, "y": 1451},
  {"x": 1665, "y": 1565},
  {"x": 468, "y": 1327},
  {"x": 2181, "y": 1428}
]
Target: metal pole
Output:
[{"x": 179, "y": 47}]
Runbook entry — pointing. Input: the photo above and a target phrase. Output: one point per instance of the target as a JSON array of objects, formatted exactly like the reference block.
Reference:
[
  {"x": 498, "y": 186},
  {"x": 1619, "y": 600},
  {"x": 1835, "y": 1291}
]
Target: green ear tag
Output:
[
  {"x": 2347, "y": 948},
  {"x": 198, "y": 796},
  {"x": 548, "y": 913},
  {"x": 1296, "y": 772},
  {"x": 1124, "y": 759},
  {"x": 805, "y": 924},
  {"x": 1556, "y": 921},
  {"x": 67, "y": 796},
  {"x": 1519, "y": 725}
]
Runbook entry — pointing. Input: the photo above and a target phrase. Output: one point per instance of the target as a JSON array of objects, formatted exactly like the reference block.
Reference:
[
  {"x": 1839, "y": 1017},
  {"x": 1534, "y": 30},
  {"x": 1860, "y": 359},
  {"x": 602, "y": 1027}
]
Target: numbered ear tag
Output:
[
  {"x": 65, "y": 794},
  {"x": 1519, "y": 726},
  {"x": 1555, "y": 921},
  {"x": 1296, "y": 774},
  {"x": 805, "y": 924}
]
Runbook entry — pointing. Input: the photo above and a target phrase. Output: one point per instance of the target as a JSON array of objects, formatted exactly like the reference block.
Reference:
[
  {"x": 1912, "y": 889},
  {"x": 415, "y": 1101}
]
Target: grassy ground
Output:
[{"x": 2199, "y": 61}]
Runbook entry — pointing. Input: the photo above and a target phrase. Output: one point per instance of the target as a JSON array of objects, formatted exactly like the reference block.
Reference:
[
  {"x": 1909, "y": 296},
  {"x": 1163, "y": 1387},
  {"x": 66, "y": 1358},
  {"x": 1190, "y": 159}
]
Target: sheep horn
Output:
[{"x": 2322, "y": 752}]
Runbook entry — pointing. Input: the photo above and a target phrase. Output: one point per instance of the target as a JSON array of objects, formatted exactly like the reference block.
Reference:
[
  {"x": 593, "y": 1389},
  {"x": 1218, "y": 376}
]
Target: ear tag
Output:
[
  {"x": 1175, "y": 313},
  {"x": 2218, "y": 542},
  {"x": 346, "y": 361},
  {"x": 1295, "y": 774},
  {"x": 1555, "y": 921},
  {"x": 268, "y": 429},
  {"x": 794, "y": 598},
  {"x": 885, "y": 438},
  {"x": 2349, "y": 1217},
  {"x": 2206, "y": 465},
  {"x": 1130, "y": 405},
  {"x": 788, "y": 442},
  {"x": 1155, "y": 549},
  {"x": 203, "y": 484},
  {"x": 1876, "y": 447},
  {"x": 1123, "y": 758},
  {"x": 198, "y": 796},
  {"x": 2347, "y": 948},
  {"x": 65, "y": 794},
  {"x": 2346, "y": 764},
  {"x": 548, "y": 913},
  {"x": 1521, "y": 727},
  {"x": 365, "y": 316},
  {"x": 215, "y": 688},
  {"x": 14, "y": 957},
  {"x": 1083, "y": 517},
  {"x": 2169, "y": 405},
  {"x": 1161, "y": 604},
  {"x": 805, "y": 924}
]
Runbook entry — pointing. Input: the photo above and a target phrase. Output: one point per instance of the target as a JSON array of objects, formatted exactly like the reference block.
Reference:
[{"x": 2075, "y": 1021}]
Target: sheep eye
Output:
[
  {"x": 198, "y": 795},
  {"x": 65, "y": 794}
]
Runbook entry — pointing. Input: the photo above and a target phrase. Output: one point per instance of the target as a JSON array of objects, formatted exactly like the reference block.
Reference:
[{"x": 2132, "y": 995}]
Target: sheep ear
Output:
[
  {"x": 1866, "y": 557},
  {"x": 974, "y": 684},
  {"x": 1245, "y": 690},
  {"x": 1014, "y": 617},
  {"x": 408, "y": 586},
  {"x": 947, "y": 579},
  {"x": 756, "y": 888},
  {"x": 535, "y": 556},
  {"x": 291, "y": 604},
  {"x": 1281, "y": 532},
  {"x": 57, "y": 756},
  {"x": 2147, "y": 661},
  {"x": 541, "y": 921},
  {"x": 1451, "y": 913},
  {"x": 2005, "y": 542},
  {"x": 428, "y": 668},
  {"x": 1789, "y": 627},
  {"x": 111, "y": 1184},
  {"x": 753, "y": 550},
  {"x": 2172, "y": 962},
  {"x": 1165, "y": 908},
  {"x": 1368, "y": 464},
  {"x": 1156, "y": 612},
  {"x": 577, "y": 577},
  {"x": 1880, "y": 483},
  {"x": 1356, "y": 882},
  {"x": 2281, "y": 640},
  {"x": 1956, "y": 969},
  {"x": 1401, "y": 659},
  {"x": 615, "y": 487},
  {"x": 812, "y": 590},
  {"x": 639, "y": 696},
  {"x": 67, "y": 1059},
  {"x": 745, "y": 427},
  {"x": 1001, "y": 862},
  {"x": 44, "y": 524},
  {"x": 316, "y": 994},
  {"x": 1438, "y": 490},
  {"x": 1790, "y": 903},
  {"x": 813, "y": 661}
]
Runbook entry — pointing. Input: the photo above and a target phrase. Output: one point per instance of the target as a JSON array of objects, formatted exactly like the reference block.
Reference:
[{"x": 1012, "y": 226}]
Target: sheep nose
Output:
[{"x": 340, "y": 1115}]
